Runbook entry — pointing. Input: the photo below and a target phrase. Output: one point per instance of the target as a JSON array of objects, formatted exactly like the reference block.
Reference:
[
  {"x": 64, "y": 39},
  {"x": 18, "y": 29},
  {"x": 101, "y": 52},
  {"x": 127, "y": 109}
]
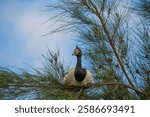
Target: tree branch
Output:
[
  {"x": 119, "y": 84},
  {"x": 110, "y": 40},
  {"x": 111, "y": 43},
  {"x": 70, "y": 86}
]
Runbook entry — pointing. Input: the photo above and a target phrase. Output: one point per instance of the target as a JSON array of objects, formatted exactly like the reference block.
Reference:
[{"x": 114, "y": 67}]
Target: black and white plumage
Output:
[{"x": 78, "y": 76}]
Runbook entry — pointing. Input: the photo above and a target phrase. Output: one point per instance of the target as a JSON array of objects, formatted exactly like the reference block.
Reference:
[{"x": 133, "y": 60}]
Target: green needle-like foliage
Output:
[
  {"x": 103, "y": 29},
  {"x": 117, "y": 53}
]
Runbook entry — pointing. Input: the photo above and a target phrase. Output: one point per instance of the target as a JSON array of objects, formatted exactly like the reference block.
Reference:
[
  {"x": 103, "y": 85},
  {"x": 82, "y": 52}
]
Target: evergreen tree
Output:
[
  {"x": 104, "y": 33},
  {"x": 142, "y": 35}
]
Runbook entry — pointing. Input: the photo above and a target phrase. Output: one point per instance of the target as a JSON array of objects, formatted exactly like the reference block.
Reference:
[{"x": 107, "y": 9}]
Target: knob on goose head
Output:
[{"x": 77, "y": 52}]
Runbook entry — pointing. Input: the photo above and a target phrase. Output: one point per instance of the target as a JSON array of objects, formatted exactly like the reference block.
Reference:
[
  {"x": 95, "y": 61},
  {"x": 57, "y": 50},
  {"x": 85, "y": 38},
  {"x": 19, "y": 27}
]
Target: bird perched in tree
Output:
[{"x": 78, "y": 76}]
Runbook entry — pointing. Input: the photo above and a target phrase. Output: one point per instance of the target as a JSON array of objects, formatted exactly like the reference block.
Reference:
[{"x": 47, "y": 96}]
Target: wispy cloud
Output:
[{"x": 22, "y": 29}]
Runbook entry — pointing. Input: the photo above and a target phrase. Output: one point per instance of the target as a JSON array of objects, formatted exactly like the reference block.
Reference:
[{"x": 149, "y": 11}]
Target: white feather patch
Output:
[{"x": 69, "y": 78}]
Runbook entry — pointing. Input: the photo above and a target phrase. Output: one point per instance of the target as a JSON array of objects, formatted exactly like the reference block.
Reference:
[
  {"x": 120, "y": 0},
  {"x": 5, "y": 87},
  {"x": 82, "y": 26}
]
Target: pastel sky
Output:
[{"x": 20, "y": 31}]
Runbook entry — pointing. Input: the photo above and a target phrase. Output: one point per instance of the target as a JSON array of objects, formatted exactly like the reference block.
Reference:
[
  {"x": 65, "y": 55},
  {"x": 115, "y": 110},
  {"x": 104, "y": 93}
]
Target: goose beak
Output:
[{"x": 73, "y": 54}]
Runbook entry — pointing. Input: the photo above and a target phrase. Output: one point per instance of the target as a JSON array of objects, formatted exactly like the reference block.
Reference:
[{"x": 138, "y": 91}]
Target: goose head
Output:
[{"x": 77, "y": 52}]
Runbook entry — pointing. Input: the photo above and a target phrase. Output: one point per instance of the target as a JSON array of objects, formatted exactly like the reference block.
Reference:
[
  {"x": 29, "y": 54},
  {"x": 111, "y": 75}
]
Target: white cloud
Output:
[
  {"x": 30, "y": 27},
  {"x": 28, "y": 24}
]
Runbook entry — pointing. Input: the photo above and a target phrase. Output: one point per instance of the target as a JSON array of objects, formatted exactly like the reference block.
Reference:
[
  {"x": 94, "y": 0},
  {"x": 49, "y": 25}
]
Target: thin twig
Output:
[
  {"x": 111, "y": 42},
  {"x": 119, "y": 84},
  {"x": 81, "y": 91}
]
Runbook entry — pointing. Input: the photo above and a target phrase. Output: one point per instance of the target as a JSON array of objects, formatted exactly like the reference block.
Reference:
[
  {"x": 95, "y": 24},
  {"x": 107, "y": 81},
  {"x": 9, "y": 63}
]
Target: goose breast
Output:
[{"x": 69, "y": 78}]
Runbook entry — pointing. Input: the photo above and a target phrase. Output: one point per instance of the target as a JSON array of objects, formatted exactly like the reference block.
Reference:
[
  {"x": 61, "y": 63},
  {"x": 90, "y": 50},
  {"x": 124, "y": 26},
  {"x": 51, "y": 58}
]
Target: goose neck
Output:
[{"x": 79, "y": 64}]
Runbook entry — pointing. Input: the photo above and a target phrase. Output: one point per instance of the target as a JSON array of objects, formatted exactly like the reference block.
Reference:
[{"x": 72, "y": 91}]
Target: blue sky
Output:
[{"x": 20, "y": 31}]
